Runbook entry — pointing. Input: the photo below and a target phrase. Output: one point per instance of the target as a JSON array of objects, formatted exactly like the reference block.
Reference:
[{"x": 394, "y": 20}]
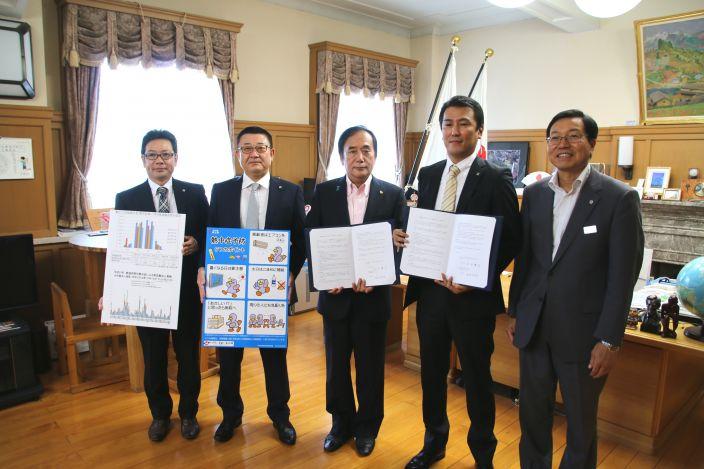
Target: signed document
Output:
[
  {"x": 143, "y": 269},
  {"x": 341, "y": 256},
  {"x": 458, "y": 245}
]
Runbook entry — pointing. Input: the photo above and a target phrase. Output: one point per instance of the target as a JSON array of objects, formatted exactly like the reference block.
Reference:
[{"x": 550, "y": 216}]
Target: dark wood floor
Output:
[{"x": 107, "y": 426}]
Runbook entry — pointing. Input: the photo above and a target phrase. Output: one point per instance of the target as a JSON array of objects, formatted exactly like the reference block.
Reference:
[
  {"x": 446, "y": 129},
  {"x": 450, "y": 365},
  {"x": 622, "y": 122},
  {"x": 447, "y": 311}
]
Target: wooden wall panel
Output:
[
  {"x": 62, "y": 264},
  {"x": 29, "y": 205},
  {"x": 61, "y": 167},
  {"x": 678, "y": 146}
]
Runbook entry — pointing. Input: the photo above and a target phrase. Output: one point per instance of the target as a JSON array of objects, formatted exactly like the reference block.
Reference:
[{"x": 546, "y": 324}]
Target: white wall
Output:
[
  {"x": 539, "y": 70},
  {"x": 33, "y": 16}
]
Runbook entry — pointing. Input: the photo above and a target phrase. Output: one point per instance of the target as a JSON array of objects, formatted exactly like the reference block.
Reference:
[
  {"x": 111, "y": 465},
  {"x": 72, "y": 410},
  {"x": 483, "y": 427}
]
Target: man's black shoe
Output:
[
  {"x": 425, "y": 458},
  {"x": 365, "y": 445},
  {"x": 334, "y": 442},
  {"x": 189, "y": 428},
  {"x": 287, "y": 434},
  {"x": 226, "y": 429},
  {"x": 159, "y": 429}
]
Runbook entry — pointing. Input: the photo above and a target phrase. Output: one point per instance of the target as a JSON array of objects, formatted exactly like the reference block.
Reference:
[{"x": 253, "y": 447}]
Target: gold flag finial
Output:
[
  {"x": 488, "y": 53},
  {"x": 455, "y": 40}
]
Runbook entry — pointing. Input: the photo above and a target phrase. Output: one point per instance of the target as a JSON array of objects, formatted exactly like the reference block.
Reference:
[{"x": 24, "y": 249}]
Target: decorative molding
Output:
[{"x": 135, "y": 8}]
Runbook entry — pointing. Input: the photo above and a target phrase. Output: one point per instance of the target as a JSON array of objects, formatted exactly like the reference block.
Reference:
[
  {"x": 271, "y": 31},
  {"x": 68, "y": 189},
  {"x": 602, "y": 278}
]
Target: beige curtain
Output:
[
  {"x": 400, "y": 120},
  {"x": 328, "y": 105},
  {"x": 81, "y": 99},
  {"x": 227, "y": 89}
]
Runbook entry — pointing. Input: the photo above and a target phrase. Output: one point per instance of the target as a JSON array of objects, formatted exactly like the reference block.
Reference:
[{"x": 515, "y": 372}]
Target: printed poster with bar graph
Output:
[
  {"x": 246, "y": 288},
  {"x": 143, "y": 269}
]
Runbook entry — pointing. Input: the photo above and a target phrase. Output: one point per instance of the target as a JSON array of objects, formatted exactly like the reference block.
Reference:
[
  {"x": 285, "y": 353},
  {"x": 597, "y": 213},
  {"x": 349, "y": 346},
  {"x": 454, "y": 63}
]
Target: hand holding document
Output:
[
  {"x": 459, "y": 246},
  {"x": 341, "y": 256}
]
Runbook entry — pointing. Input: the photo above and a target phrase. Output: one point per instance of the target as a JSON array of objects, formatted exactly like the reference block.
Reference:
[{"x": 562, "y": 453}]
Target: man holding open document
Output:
[
  {"x": 447, "y": 309},
  {"x": 355, "y": 314}
]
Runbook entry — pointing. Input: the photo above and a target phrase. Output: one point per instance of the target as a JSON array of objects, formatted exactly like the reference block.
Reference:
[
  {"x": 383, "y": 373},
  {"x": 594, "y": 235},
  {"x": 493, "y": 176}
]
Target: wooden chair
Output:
[{"x": 70, "y": 331}]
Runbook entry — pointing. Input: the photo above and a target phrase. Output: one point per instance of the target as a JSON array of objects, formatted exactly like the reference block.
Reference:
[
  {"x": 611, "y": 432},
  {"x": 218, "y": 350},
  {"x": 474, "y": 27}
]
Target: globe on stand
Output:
[{"x": 690, "y": 289}]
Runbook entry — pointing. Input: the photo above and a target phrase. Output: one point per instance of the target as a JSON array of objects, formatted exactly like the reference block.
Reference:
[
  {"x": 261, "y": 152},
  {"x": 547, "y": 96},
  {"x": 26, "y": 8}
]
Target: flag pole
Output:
[
  {"x": 487, "y": 53},
  {"x": 411, "y": 176}
]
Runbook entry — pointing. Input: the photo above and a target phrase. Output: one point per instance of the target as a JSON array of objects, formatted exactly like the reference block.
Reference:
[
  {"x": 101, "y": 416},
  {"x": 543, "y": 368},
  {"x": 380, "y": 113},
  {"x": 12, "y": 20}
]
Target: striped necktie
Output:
[
  {"x": 163, "y": 192},
  {"x": 448, "y": 198}
]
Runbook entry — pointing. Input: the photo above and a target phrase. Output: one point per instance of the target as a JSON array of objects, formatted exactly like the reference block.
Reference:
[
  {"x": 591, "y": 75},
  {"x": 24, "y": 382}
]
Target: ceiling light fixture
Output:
[
  {"x": 510, "y": 3},
  {"x": 606, "y": 8}
]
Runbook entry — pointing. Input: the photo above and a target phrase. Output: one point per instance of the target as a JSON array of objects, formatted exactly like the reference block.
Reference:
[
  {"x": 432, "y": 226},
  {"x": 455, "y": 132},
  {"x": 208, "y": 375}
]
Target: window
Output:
[
  {"x": 378, "y": 116},
  {"x": 134, "y": 100}
]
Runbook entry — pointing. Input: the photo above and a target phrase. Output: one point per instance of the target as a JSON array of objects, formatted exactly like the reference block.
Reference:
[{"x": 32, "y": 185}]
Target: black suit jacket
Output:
[
  {"x": 329, "y": 209},
  {"x": 284, "y": 211},
  {"x": 585, "y": 292},
  {"x": 191, "y": 201},
  {"x": 488, "y": 190}
]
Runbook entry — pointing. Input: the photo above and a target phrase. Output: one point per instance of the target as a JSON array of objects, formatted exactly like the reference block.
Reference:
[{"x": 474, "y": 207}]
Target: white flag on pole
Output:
[
  {"x": 479, "y": 95},
  {"x": 434, "y": 150}
]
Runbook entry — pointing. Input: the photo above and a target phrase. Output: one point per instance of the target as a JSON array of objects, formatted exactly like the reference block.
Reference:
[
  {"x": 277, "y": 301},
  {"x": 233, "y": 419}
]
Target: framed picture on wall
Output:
[
  {"x": 511, "y": 155},
  {"x": 671, "y": 68},
  {"x": 672, "y": 194},
  {"x": 657, "y": 179}
]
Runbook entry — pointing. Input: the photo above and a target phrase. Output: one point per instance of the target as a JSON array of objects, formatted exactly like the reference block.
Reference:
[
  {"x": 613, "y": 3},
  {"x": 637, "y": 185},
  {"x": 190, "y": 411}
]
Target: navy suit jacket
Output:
[
  {"x": 284, "y": 211},
  {"x": 191, "y": 201},
  {"x": 329, "y": 209},
  {"x": 488, "y": 191},
  {"x": 585, "y": 291}
]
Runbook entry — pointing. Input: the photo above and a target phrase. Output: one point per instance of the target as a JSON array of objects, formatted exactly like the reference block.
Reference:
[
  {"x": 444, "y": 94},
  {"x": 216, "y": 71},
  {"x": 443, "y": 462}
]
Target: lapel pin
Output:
[
  {"x": 337, "y": 188},
  {"x": 280, "y": 187},
  {"x": 381, "y": 192},
  {"x": 183, "y": 190},
  {"x": 591, "y": 201}
]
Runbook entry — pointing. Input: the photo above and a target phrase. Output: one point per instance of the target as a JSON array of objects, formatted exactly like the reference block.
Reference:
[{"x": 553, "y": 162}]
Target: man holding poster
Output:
[
  {"x": 448, "y": 311},
  {"x": 355, "y": 316},
  {"x": 257, "y": 200},
  {"x": 161, "y": 193}
]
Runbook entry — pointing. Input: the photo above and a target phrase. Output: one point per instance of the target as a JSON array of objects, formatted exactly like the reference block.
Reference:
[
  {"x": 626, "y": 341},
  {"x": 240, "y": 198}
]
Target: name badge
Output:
[{"x": 590, "y": 229}]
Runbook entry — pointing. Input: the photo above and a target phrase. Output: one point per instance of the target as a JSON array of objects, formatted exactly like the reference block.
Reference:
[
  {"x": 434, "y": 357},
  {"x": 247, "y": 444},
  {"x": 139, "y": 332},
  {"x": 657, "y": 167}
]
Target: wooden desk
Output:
[
  {"x": 94, "y": 248},
  {"x": 655, "y": 384}
]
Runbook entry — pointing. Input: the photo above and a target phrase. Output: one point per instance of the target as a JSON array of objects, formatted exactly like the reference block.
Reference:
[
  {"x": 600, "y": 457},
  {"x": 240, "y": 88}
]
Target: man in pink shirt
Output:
[{"x": 355, "y": 316}]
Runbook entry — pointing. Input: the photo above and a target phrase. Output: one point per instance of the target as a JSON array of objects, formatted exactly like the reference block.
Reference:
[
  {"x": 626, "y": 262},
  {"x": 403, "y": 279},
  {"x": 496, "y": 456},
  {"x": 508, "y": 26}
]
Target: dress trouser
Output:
[
  {"x": 275, "y": 375},
  {"x": 155, "y": 344},
  {"x": 541, "y": 370},
  {"x": 473, "y": 337},
  {"x": 367, "y": 340}
]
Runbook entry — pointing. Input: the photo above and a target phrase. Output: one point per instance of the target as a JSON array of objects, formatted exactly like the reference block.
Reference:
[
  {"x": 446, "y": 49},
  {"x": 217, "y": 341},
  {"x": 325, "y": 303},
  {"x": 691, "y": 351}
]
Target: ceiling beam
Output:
[{"x": 562, "y": 14}]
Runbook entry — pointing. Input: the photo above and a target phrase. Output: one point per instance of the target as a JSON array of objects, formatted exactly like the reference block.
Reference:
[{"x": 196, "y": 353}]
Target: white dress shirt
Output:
[
  {"x": 262, "y": 196},
  {"x": 169, "y": 195},
  {"x": 563, "y": 205},
  {"x": 464, "y": 166}
]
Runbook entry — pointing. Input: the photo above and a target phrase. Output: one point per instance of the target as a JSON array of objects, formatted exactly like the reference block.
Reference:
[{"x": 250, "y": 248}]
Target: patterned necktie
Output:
[
  {"x": 252, "y": 220},
  {"x": 163, "y": 192},
  {"x": 448, "y": 198}
]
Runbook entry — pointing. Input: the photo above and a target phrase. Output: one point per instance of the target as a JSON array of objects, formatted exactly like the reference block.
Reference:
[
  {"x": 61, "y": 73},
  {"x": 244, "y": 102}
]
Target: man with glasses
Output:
[
  {"x": 260, "y": 201},
  {"x": 571, "y": 291},
  {"x": 162, "y": 193}
]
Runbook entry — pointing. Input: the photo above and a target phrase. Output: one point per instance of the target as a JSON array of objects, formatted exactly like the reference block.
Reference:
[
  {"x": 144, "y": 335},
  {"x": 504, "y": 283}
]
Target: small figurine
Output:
[
  {"x": 632, "y": 320},
  {"x": 651, "y": 320},
  {"x": 670, "y": 311}
]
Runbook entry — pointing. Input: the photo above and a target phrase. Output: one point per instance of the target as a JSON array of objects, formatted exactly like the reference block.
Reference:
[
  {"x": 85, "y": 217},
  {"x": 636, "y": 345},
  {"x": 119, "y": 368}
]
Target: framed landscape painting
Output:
[
  {"x": 671, "y": 68},
  {"x": 511, "y": 155}
]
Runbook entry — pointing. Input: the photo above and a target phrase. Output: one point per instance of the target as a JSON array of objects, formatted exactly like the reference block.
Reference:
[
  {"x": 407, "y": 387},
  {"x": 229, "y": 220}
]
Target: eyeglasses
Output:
[
  {"x": 554, "y": 140},
  {"x": 261, "y": 149},
  {"x": 165, "y": 155}
]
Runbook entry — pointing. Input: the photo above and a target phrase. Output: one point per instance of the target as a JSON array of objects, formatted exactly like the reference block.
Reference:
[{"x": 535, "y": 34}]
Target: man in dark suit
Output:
[
  {"x": 571, "y": 291},
  {"x": 446, "y": 311},
  {"x": 355, "y": 316},
  {"x": 257, "y": 200},
  {"x": 162, "y": 193}
]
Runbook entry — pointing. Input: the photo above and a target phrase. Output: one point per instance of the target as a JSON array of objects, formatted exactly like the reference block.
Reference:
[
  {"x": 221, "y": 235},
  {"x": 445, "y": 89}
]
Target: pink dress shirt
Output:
[{"x": 357, "y": 198}]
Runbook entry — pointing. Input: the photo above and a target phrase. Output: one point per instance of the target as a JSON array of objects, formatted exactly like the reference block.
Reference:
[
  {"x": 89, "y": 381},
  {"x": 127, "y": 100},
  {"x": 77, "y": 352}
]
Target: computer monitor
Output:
[{"x": 18, "y": 280}]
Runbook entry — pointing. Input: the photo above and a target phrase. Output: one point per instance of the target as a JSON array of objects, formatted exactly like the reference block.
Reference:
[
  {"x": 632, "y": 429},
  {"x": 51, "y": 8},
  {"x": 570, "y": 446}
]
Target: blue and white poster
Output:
[{"x": 246, "y": 288}]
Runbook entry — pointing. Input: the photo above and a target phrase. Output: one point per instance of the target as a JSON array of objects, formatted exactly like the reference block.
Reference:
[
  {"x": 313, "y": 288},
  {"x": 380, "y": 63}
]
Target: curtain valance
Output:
[
  {"x": 92, "y": 34},
  {"x": 338, "y": 71}
]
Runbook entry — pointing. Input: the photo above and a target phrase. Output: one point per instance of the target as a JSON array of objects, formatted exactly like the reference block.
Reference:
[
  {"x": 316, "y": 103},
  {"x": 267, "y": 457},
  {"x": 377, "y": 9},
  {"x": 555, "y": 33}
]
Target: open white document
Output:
[
  {"x": 457, "y": 245},
  {"x": 341, "y": 256},
  {"x": 143, "y": 269}
]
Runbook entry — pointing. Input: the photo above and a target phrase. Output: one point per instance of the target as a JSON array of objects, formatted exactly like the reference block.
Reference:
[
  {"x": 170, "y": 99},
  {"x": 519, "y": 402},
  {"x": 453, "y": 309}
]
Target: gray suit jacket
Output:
[{"x": 585, "y": 292}]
